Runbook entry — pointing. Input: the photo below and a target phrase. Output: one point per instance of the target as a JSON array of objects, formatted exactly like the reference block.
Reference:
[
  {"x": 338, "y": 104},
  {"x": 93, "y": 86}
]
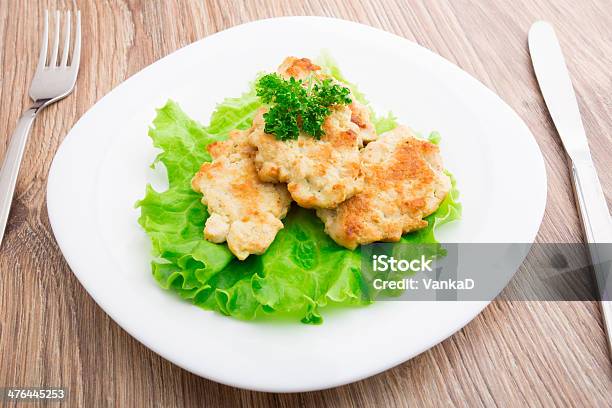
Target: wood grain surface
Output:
[{"x": 513, "y": 354}]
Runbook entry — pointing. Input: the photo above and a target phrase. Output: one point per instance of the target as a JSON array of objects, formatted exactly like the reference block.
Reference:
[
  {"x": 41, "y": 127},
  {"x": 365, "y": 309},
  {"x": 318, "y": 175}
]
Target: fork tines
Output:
[{"x": 52, "y": 61}]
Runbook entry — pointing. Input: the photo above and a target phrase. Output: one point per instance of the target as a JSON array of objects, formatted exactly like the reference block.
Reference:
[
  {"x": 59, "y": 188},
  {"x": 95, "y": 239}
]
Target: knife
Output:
[{"x": 556, "y": 87}]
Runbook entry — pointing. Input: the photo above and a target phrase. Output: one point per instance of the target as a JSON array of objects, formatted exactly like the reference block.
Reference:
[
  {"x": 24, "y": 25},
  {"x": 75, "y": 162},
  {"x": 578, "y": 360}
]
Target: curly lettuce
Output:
[{"x": 303, "y": 270}]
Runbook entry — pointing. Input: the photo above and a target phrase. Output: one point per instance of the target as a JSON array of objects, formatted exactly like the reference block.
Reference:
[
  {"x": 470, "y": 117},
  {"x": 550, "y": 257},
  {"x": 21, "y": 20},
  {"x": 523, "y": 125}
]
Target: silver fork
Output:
[{"x": 52, "y": 81}]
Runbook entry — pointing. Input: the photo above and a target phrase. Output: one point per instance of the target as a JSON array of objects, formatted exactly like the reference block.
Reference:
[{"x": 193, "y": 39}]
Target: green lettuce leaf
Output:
[{"x": 302, "y": 272}]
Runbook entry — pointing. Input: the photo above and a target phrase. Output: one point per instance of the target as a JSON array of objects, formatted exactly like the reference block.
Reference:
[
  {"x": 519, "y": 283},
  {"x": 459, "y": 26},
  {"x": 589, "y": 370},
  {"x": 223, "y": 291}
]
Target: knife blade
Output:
[{"x": 558, "y": 92}]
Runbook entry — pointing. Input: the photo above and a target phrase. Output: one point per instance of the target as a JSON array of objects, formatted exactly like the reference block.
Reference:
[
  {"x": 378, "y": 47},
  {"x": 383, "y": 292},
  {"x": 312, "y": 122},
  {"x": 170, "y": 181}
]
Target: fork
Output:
[{"x": 53, "y": 80}]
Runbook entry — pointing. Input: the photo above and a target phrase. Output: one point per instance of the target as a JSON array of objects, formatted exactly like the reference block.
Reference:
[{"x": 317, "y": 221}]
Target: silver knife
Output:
[{"x": 556, "y": 87}]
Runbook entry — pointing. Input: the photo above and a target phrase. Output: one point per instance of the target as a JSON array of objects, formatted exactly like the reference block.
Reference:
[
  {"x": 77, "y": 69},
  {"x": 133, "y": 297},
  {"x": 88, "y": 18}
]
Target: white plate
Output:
[{"x": 101, "y": 169}]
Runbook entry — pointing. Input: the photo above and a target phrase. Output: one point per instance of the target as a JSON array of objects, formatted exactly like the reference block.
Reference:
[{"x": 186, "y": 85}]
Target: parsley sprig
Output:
[{"x": 295, "y": 104}]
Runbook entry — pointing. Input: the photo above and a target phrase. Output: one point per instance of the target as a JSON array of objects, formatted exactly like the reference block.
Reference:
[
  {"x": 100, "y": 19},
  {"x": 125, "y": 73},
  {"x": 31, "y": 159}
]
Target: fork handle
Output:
[{"x": 12, "y": 161}]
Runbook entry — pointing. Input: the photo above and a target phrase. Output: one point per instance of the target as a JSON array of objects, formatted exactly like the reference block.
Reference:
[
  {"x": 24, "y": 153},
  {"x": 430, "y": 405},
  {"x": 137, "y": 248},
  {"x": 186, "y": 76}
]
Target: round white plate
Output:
[{"x": 102, "y": 167}]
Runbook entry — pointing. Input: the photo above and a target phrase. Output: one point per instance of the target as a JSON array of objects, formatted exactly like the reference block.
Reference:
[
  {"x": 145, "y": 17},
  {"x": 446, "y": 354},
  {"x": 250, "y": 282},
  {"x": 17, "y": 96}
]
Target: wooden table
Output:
[{"x": 523, "y": 353}]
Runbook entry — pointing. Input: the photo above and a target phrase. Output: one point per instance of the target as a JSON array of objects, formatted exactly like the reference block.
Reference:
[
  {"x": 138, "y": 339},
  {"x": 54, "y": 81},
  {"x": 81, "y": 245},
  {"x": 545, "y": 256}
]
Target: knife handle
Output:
[
  {"x": 591, "y": 202},
  {"x": 597, "y": 225}
]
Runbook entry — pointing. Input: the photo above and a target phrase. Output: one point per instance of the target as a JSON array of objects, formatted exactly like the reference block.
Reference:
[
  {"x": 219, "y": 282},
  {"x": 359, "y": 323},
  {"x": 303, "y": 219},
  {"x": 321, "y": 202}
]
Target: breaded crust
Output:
[
  {"x": 302, "y": 68},
  {"x": 298, "y": 68},
  {"x": 319, "y": 173},
  {"x": 404, "y": 182},
  {"x": 244, "y": 211}
]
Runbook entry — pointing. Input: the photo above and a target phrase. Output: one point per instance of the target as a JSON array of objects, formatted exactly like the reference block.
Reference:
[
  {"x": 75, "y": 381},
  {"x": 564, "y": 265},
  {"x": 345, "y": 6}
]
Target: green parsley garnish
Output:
[{"x": 294, "y": 106}]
